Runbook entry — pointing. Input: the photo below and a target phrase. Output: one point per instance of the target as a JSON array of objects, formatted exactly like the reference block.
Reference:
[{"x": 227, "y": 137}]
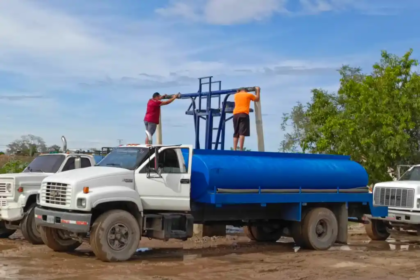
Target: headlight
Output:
[
  {"x": 81, "y": 202},
  {"x": 37, "y": 199},
  {"x": 9, "y": 187}
]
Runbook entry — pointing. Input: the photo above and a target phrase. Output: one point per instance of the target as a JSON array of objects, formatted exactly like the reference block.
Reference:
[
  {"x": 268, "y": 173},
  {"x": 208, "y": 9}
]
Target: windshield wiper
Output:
[{"x": 113, "y": 164}]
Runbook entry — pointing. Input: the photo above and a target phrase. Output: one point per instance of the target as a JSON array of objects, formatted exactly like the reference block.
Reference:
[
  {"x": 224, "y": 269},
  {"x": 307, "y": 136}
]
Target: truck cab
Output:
[
  {"x": 402, "y": 197},
  {"x": 18, "y": 191},
  {"x": 150, "y": 193}
]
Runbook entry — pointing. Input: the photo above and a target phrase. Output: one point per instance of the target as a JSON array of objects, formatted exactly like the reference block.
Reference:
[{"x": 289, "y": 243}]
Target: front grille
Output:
[
  {"x": 2, "y": 187},
  {"x": 56, "y": 193},
  {"x": 3, "y": 203},
  {"x": 393, "y": 197}
]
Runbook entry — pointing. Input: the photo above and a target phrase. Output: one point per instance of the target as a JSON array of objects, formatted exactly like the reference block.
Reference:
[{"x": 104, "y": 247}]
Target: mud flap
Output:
[{"x": 341, "y": 213}]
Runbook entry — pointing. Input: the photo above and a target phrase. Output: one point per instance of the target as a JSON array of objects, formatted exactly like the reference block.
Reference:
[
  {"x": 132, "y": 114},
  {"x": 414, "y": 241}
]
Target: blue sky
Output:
[{"x": 86, "y": 69}]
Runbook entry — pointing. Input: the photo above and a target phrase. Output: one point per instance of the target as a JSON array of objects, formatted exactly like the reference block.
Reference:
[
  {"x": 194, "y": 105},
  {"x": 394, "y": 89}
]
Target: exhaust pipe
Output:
[{"x": 64, "y": 141}]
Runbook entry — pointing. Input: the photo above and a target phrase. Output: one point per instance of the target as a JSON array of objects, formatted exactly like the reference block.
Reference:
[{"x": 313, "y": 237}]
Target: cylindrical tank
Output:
[{"x": 265, "y": 170}]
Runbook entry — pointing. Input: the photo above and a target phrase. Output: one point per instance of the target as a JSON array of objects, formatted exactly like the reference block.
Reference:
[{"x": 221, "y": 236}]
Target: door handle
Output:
[{"x": 185, "y": 181}]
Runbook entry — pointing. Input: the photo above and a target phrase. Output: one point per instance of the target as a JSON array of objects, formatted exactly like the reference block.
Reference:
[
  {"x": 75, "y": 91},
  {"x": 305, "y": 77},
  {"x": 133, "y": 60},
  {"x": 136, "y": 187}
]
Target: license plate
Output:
[{"x": 50, "y": 219}]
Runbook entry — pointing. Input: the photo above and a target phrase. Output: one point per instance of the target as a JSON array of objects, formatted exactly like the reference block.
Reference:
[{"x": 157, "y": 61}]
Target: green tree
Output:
[
  {"x": 28, "y": 145},
  {"x": 13, "y": 166},
  {"x": 374, "y": 118},
  {"x": 54, "y": 148}
]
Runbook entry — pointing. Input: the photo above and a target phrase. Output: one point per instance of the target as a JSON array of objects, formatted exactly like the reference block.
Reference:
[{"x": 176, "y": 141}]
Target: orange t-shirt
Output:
[{"x": 242, "y": 102}]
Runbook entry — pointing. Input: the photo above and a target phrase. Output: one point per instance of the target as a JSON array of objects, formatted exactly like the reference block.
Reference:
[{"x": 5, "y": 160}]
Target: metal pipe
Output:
[{"x": 213, "y": 93}]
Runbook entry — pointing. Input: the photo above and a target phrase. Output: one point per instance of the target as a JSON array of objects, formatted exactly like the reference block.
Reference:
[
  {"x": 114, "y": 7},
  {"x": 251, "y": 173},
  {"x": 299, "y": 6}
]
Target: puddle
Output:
[{"x": 369, "y": 245}]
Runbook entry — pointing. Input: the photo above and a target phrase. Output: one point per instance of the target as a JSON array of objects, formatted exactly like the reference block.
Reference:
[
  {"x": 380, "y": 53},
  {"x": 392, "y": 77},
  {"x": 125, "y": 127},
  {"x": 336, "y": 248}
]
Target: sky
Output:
[{"x": 86, "y": 69}]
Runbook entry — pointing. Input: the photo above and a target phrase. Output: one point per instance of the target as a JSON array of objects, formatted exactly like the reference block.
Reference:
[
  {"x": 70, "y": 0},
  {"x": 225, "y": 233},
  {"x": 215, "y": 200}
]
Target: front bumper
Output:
[
  {"x": 400, "y": 217},
  {"x": 73, "y": 222},
  {"x": 10, "y": 210}
]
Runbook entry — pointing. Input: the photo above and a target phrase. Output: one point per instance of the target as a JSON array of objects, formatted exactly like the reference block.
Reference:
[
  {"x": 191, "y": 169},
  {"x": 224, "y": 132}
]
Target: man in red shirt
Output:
[{"x": 151, "y": 120}]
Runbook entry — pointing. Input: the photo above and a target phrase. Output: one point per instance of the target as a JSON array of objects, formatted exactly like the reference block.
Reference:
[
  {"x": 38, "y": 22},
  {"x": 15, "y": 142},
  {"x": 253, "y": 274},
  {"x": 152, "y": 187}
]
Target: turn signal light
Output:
[
  {"x": 85, "y": 189},
  {"x": 20, "y": 189}
]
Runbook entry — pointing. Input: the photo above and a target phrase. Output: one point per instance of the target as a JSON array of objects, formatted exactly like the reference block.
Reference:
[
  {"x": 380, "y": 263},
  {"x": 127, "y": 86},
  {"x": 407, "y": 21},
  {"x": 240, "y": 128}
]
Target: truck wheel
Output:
[
  {"x": 115, "y": 236},
  {"x": 376, "y": 230},
  {"x": 5, "y": 232},
  {"x": 319, "y": 229},
  {"x": 262, "y": 233},
  {"x": 29, "y": 229},
  {"x": 57, "y": 240}
]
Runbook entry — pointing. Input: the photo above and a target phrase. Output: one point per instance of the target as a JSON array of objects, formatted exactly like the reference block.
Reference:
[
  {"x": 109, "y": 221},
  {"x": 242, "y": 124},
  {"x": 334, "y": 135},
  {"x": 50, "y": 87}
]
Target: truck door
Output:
[{"x": 171, "y": 189}]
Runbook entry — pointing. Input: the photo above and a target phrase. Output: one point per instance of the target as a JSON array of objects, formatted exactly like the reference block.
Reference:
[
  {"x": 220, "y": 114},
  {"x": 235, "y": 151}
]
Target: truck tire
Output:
[
  {"x": 319, "y": 229},
  {"x": 5, "y": 232},
  {"x": 115, "y": 236},
  {"x": 376, "y": 230},
  {"x": 29, "y": 229},
  {"x": 54, "y": 239},
  {"x": 262, "y": 234}
]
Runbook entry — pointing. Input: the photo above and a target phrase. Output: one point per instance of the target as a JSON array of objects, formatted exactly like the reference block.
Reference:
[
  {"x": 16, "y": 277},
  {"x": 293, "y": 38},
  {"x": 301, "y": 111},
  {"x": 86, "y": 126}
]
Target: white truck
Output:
[
  {"x": 18, "y": 190},
  {"x": 402, "y": 196}
]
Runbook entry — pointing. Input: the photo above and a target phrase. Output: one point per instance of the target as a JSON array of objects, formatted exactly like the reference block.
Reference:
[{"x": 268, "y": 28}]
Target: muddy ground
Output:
[{"x": 233, "y": 257}]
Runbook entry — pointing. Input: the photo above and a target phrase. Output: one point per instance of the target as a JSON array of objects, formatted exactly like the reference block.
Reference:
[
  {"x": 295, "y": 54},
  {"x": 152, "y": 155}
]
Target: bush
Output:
[{"x": 13, "y": 166}]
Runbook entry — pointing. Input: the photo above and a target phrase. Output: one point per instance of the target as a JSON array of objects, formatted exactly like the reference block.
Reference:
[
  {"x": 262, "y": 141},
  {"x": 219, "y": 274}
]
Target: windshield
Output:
[
  {"x": 411, "y": 175},
  {"x": 128, "y": 158},
  {"x": 48, "y": 164}
]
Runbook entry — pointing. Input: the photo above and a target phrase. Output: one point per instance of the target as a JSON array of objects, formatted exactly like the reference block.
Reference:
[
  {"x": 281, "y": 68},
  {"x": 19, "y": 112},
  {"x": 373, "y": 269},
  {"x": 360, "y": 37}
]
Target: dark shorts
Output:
[
  {"x": 241, "y": 125},
  {"x": 150, "y": 127}
]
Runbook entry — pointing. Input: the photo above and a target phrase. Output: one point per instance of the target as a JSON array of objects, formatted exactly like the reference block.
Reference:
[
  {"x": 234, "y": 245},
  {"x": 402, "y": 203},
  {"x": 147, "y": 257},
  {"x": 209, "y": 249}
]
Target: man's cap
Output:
[{"x": 156, "y": 94}]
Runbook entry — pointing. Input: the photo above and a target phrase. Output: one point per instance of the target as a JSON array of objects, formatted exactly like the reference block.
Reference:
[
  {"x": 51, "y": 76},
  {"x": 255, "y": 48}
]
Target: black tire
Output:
[
  {"x": 29, "y": 229},
  {"x": 5, "y": 232},
  {"x": 376, "y": 230},
  {"x": 297, "y": 234},
  {"x": 111, "y": 229},
  {"x": 319, "y": 229},
  {"x": 262, "y": 233},
  {"x": 54, "y": 239}
]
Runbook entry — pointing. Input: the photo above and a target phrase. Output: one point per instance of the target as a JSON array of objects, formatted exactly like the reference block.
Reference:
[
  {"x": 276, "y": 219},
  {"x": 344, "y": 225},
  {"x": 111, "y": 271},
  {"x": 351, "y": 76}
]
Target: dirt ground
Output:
[{"x": 231, "y": 257}]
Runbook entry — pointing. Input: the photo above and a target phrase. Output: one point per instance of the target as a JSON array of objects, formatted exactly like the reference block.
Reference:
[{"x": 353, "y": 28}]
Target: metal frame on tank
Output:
[{"x": 208, "y": 112}]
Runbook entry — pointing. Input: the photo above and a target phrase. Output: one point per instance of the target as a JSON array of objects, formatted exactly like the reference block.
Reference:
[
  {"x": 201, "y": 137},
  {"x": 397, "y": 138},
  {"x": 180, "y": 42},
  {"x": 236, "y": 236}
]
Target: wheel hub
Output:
[
  {"x": 118, "y": 237},
  {"x": 321, "y": 228}
]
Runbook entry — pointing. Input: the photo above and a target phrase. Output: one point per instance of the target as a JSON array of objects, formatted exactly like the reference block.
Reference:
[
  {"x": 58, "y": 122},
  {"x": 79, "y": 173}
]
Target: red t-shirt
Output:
[{"x": 153, "y": 111}]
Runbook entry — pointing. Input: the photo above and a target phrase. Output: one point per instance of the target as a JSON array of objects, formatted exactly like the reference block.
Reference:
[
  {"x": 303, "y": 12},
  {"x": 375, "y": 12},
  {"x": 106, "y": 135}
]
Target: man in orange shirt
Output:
[{"x": 241, "y": 115}]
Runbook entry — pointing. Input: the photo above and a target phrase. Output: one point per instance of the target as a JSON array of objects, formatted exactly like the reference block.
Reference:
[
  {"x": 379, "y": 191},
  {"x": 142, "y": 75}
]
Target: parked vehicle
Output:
[
  {"x": 161, "y": 191},
  {"x": 402, "y": 197},
  {"x": 18, "y": 190}
]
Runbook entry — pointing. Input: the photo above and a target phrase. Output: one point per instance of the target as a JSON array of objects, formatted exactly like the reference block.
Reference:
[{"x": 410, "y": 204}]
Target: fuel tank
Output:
[{"x": 236, "y": 170}]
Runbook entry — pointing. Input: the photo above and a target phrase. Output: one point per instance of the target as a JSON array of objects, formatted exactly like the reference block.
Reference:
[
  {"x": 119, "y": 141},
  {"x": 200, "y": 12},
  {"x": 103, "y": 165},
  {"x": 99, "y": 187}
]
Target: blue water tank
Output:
[{"x": 266, "y": 170}]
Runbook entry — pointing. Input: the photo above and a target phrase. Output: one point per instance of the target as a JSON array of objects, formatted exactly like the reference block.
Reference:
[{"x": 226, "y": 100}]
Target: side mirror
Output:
[{"x": 77, "y": 163}]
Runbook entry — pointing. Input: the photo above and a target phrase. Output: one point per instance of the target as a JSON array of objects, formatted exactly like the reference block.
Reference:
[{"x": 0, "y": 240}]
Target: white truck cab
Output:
[
  {"x": 130, "y": 193},
  {"x": 18, "y": 191},
  {"x": 402, "y": 197}
]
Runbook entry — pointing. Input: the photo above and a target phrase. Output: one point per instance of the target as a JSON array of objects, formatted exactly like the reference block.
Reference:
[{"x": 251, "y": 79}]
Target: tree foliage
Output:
[
  {"x": 54, "y": 148},
  {"x": 374, "y": 117},
  {"x": 13, "y": 166},
  {"x": 28, "y": 145}
]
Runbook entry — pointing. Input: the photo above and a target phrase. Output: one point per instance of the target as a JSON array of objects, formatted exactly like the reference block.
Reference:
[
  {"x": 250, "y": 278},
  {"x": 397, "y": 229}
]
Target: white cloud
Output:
[
  {"x": 223, "y": 12},
  {"x": 229, "y": 12}
]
